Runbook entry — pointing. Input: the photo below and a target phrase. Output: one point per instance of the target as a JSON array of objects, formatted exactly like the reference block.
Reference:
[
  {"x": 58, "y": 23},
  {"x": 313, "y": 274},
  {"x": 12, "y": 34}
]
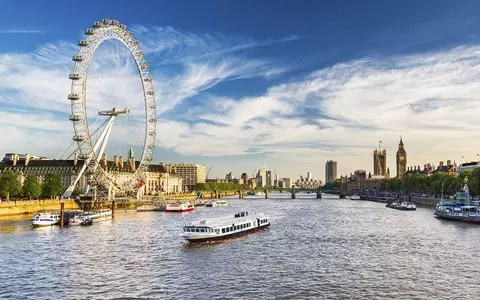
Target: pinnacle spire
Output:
[{"x": 401, "y": 141}]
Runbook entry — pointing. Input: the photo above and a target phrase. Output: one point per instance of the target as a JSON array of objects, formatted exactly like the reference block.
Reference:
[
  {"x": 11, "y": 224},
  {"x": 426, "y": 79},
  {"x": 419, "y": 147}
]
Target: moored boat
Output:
[
  {"x": 73, "y": 218},
  {"x": 217, "y": 203},
  {"x": 354, "y": 197},
  {"x": 402, "y": 205},
  {"x": 460, "y": 208},
  {"x": 216, "y": 229},
  {"x": 95, "y": 216},
  {"x": 179, "y": 207},
  {"x": 46, "y": 218}
]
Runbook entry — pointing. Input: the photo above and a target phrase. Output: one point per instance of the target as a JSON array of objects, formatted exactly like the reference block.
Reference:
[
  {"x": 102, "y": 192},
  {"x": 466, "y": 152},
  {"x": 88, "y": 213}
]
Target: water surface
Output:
[{"x": 329, "y": 249}]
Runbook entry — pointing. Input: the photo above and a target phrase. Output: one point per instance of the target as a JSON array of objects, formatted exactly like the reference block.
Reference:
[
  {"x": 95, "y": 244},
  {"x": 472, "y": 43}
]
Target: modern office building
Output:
[
  {"x": 190, "y": 173},
  {"x": 330, "y": 171}
]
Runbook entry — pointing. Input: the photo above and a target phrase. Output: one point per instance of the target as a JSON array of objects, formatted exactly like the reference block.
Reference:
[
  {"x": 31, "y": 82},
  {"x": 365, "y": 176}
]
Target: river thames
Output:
[{"x": 315, "y": 249}]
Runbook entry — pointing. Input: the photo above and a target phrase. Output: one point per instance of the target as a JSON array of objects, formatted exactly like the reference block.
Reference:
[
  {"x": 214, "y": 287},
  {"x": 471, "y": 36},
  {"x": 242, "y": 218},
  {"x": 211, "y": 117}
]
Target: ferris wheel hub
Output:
[{"x": 114, "y": 112}]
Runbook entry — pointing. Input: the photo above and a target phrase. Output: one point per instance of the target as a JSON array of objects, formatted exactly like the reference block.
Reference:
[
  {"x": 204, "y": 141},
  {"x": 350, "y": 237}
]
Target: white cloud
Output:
[
  {"x": 34, "y": 86},
  {"x": 338, "y": 112},
  {"x": 341, "y": 112}
]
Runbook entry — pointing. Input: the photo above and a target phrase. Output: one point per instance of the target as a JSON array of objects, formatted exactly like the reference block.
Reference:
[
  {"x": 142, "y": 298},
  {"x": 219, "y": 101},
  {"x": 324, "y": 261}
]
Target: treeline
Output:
[
  {"x": 416, "y": 183},
  {"x": 10, "y": 186},
  {"x": 219, "y": 186},
  {"x": 334, "y": 185}
]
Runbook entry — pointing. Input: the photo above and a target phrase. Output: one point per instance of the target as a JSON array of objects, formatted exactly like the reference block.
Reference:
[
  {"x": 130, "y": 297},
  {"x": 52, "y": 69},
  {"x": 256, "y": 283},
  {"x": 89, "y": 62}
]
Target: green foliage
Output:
[
  {"x": 9, "y": 184},
  {"x": 52, "y": 185},
  {"x": 219, "y": 186},
  {"x": 419, "y": 183},
  {"x": 474, "y": 182},
  {"x": 334, "y": 185},
  {"x": 31, "y": 187},
  {"x": 77, "y": 192}
]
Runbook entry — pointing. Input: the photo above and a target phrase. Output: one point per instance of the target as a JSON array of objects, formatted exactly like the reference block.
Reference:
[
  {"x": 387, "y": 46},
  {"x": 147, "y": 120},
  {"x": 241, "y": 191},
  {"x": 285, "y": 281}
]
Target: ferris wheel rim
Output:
[{"x": 101, "y": 32}]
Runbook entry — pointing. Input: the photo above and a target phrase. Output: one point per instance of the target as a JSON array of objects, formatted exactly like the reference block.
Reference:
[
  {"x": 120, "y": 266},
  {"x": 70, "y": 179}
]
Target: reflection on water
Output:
[{"x": 325, "y": 249}]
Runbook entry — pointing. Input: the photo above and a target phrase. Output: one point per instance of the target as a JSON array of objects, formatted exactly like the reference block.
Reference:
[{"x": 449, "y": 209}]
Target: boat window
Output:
[
  {"x": 223, "y": 230},
  {"x": 197, "y": 230},
  {"x": 217, "y": 231}
]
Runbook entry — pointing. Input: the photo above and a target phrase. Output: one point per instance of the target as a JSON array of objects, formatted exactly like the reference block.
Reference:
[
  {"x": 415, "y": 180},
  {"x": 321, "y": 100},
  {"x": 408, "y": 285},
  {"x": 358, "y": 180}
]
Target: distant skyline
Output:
[{"x": 243, "y": 84}]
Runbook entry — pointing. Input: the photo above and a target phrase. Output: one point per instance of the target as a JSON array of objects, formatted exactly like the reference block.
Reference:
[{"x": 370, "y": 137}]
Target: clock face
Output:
[{"x": 402, "y": 158}]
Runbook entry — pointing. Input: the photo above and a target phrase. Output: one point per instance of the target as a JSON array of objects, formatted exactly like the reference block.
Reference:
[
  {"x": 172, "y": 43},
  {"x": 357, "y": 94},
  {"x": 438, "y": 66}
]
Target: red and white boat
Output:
[{"x": 179, "y": 207}]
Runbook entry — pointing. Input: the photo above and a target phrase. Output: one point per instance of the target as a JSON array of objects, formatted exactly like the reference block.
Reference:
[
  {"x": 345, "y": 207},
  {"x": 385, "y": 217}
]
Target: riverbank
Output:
[
  {"x": 23, "y": 207},
  {"x": 419, "y": 201},
  {"x": 427, "y": 202}
]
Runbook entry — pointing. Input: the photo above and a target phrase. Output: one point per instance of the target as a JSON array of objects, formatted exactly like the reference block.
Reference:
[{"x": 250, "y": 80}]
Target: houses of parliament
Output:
[{"x": 380, "y": 168}]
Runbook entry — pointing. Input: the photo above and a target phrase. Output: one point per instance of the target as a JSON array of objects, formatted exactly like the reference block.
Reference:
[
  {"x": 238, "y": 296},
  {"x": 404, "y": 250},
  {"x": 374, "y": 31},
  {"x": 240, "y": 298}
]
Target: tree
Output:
[
  {"x": 9, "y": 184},
  {"x": 77, "y": 192},
  {"x": 31, "y": 187},
  {"x": 52, "y": 185},
  {"x": 474, "y": 182}
]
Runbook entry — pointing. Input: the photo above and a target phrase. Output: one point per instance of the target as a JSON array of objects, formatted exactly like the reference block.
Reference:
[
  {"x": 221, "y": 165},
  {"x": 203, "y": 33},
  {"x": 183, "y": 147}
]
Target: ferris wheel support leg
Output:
[
  {"x": 105, "y": 139},
  {"x": 105, "y": 131}
]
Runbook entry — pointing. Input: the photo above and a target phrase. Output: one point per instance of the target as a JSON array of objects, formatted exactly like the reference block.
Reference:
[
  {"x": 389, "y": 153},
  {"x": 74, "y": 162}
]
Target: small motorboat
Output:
[
  {"x": 179, "y": 207},
  {"x": 354, "y": 197}
]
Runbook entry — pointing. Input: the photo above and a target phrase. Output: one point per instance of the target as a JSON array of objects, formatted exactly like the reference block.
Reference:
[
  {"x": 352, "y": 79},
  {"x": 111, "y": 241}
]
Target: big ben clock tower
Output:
[{"x": 401, "y": 160}]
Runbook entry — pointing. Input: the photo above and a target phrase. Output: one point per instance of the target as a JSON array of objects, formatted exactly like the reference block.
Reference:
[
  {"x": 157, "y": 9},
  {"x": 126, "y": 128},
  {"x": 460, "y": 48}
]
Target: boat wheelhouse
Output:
[
  {"x": 46, "y": 218},
  {"x": 179, "y": 207},
  {"x": 215, "y": 229}
]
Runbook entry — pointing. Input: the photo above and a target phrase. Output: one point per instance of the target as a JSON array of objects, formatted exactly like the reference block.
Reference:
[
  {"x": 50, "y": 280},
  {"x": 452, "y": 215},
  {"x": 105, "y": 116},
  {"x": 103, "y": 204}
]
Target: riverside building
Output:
[{"x": 158, "y": 179}]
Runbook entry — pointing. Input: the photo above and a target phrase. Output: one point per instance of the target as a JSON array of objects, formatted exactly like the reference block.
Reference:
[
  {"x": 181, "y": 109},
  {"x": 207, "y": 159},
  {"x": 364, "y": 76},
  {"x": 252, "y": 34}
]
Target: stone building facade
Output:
[{"x": 158, "y": 179}]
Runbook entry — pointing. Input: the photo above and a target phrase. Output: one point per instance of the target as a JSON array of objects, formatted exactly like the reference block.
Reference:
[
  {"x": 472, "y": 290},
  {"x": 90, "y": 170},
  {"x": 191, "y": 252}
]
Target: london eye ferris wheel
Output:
[{"x": 119, "y": 114}]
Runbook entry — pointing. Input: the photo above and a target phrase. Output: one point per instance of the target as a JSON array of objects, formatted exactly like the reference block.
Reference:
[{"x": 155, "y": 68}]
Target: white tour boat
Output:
[
  {"x": 217, "y": 203},
  {"x": 354, "y": 197},
  {"x": 95, "y": 216},
  {"x": 179, "y": 207},
  {"x": 224, "y": 227},
  {"x": 46, "y": 218}
]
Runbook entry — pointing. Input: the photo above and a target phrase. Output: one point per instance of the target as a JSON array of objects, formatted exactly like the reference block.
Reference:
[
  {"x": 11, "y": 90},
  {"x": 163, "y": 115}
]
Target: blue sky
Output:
[{"x": 241, "y": 84}]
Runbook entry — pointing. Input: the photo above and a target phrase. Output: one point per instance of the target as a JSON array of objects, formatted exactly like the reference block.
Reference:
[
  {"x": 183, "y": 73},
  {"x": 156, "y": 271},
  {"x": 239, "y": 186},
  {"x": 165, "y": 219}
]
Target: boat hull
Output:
[
  {"x": 193, "y": 240},
  {"x": 465, "y": 219},
  {"x": 403, "y": 208},
  {"x": 178, "y": 210},
  {"x": 44, "y": 223}
]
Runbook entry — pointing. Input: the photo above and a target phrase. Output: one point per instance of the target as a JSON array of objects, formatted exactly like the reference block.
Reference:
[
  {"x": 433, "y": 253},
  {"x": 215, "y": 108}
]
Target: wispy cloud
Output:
[
  {"x": 338, "y": 112},
  {"x": 38, "y": 82},
  {"x": 21, "y": 31},
  {"x": 181, "y": 46},
  {"x": 341, "y": 112}
]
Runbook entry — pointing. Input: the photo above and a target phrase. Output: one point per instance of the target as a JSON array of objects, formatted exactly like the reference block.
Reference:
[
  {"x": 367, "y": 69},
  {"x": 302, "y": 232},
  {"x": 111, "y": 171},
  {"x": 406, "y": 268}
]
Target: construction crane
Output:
[{"x": 209, "y": 169}]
